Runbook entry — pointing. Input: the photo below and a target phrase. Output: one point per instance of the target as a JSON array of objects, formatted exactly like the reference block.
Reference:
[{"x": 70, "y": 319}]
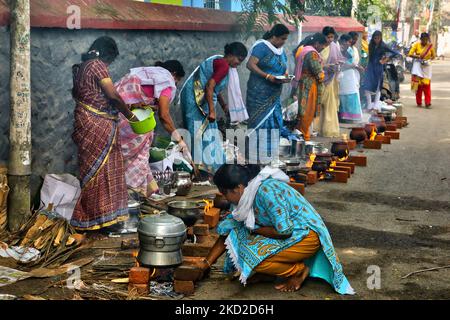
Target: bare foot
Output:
[
  {"x": 294, "y": 283},
  {"x": 95, "y": 236}
]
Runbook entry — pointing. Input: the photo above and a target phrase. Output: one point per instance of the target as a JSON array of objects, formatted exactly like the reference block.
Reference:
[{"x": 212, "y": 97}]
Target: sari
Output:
[
  {"x": 350, "y": 102},
  {"x": 264, "y": 101},
  {"x": 328, "y": 119},
  {"x": 278, "y": 205},
  {"x": 136, "y": 147},
  {"x": 421, "y": 73},
  {"x": 104, "y": 198},
  {"x": 309, "y": 83},
  {"x": 206, "y": 139}
]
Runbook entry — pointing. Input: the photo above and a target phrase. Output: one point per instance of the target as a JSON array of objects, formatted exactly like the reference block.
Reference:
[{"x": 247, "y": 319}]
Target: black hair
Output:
[
  {"x": 277, "y": 30},
  {"x": 345, "y": 38},
  {"x": 230, "y": 176},
  {"x": 237, "y": 49},
  {"x": 173, "y": 66},
  {"x": 353, "y": 34},
  {"x": 424, "y": 35},
  {"x": 328, "y": 30},
  {"x": 311, "y": 40},
  {"x": 372, "y": 44},
  {"x": 103, "y": 48}
]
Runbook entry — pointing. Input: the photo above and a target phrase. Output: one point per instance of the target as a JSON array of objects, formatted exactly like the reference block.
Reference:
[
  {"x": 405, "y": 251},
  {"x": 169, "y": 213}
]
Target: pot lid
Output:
[
  {"x": 162, "y": 225},
  {"x": 133, "y": 204}
]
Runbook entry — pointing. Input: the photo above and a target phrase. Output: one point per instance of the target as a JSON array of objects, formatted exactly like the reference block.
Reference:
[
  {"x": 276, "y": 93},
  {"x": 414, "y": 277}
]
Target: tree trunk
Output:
[{"x": 20, "y": 121}]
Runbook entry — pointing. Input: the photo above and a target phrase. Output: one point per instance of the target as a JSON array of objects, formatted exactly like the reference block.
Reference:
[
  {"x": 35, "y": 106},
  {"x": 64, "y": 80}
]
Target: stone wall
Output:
[{"x": 54, "y": 51}]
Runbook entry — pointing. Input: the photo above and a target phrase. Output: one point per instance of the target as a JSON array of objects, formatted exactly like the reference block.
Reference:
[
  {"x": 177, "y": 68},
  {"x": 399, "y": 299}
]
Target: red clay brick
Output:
[
  {"x": 312, "y": 177},
  {"x": 139, "y": 275},
  {"x": 184, "y": 287},
  {"x": 201, "y": 229},
  {"x": 368, "y": 144},
  {"x": 188, "y": 273},
  {"x": 300, "y": 187},
  {"x": 212, "y": 217},
  {"x": 359, "y": 160},
  {"x": 346, "y": 164},
  {"x": 339, "y": 176},
  {"x": 352, "y": 144},
  {"x": 393, "y": 134}
]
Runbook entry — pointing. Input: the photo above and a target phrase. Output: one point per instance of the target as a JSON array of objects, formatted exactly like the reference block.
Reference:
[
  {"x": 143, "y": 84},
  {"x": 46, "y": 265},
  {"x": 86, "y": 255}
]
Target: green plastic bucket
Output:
[{"x": 147, "y": 121}]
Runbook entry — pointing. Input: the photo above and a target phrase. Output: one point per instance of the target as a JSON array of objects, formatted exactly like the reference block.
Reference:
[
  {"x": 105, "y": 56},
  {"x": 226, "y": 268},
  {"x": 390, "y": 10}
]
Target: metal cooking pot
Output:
[
  {"x": 314, "y": 147},
  {"x": 161, "y": 237},
  {"x": 285, "y": 150},
  {"x": 298, "y": 148},
  {"x": 188, "y": 211},
  {"x": 183, "y": 183},
  {"x": 279, "y": 165}
]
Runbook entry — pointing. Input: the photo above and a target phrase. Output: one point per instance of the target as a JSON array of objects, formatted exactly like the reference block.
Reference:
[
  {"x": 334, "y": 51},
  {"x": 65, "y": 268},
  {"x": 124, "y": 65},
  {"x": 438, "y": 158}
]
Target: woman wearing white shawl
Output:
[
  {"x": 147, "y": 87},
  {"x": 273, "y": 231}
]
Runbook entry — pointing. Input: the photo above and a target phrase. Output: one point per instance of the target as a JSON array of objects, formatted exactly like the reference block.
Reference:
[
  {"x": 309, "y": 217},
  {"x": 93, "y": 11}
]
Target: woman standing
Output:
[
  {"x": 273, "y": 231},
  {"x": 104, "y": 197},
  {"x": 422, "y": 52},
  {"x": 308, "y": 82},
  {"x": 199, "y": 96},
  {"x": 378, "y": 56},
  {"x": 350, "y": 105},
  {"x": 331, "y": 55},
  {"x": 267, "y": 60},
  {"x": 147, "y": 87}
]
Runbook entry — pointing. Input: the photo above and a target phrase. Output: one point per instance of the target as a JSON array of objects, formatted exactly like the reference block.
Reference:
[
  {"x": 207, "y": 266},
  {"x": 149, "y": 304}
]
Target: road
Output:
[{"x": 393, "y": 215}]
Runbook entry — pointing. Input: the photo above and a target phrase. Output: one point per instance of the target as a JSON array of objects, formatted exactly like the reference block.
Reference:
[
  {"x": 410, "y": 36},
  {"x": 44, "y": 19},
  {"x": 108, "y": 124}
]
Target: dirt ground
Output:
[{"x": 393, "y": 214}]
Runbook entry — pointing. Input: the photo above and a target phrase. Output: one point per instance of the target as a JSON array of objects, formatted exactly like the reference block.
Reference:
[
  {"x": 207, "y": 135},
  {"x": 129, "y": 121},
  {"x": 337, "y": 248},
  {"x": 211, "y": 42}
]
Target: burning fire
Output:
[
  {"x": 322, "y": 176},
  {"x": 136, "y": 262},
  {"x": 332, "y": 166},
  {"x": 345, "y": 157},
  {"x": 373, "y": 135},
  {"x": 310, "y": 162}
]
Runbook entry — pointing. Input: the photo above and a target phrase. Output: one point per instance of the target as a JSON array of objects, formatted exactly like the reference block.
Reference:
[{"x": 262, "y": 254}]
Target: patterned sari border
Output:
[{"x": 103, "y": 222}]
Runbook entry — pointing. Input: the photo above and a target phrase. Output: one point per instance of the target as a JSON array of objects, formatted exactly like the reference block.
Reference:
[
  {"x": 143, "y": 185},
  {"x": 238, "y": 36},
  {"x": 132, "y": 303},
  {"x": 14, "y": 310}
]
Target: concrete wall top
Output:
[{"x": 121, "y": 14}]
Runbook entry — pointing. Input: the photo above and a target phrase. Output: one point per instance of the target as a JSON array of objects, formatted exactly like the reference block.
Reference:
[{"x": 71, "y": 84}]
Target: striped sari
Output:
[{"x": 103, "y": 199}]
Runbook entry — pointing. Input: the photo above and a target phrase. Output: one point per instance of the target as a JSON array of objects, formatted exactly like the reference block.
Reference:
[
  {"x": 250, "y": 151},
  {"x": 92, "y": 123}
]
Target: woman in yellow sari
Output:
[
  {"x": 422, "y": 52},
  {"x": 332, "y": 57}
]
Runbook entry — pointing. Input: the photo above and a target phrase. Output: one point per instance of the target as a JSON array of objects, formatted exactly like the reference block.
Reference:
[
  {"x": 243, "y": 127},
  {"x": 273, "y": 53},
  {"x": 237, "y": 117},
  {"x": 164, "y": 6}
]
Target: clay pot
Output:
[
  {"x": 380, "y": 123},
  {"x": 340, "y": 149},
  {"x": 369, "y": 128},
  {"x": 221, "y": 202},
  {"x": 320, "y": 166},
  {"x": 327, "y": 157},
  {"x": 358, "y": 134}
]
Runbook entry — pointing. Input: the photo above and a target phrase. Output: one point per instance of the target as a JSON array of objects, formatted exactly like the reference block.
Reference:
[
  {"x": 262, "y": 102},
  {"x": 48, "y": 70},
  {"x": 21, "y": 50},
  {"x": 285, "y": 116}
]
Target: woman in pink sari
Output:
[{"x": 153, "y": 87}]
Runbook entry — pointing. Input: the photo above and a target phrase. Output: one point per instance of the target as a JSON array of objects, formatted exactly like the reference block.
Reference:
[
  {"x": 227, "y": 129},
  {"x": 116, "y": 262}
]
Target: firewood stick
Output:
[{"x": 425, "y": 270}]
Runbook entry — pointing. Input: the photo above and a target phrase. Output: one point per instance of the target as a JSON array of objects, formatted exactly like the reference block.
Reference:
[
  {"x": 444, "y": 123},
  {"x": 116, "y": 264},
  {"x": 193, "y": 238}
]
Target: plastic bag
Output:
[
  {"x": 62, "y": 191},
  {"x": 290, "y": 112}
]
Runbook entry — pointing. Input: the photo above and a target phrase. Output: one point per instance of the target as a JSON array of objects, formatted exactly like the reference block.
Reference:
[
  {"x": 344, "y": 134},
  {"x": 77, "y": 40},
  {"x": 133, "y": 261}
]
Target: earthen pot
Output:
[
  {"x": 320, "y": 166},
  {"x": 358, "y": 134},
  {"x": 327, "y": 157},
  {"x": 380, "y": 123},
  {"x": 369, "y": 128},
  {"x": 340, "y": 149}
]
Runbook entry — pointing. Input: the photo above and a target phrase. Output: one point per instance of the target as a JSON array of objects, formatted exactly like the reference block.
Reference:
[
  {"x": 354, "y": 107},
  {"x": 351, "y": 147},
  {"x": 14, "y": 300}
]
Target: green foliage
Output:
[
  {"x": 259, "y": 13},
  {"x": 366, "y": 8}
]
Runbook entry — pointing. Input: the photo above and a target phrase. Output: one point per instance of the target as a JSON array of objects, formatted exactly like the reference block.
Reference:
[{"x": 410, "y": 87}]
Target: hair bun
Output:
[{"x": 159, "y": 64}]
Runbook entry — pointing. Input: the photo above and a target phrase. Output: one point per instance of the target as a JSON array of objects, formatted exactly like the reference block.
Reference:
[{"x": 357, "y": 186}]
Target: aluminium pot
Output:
[
  {"x": 188, "y": 211},
  {"x": 160, "y": 238},
  {"x": 183, "y": 183},
  {"x": 314, "y": 147}
]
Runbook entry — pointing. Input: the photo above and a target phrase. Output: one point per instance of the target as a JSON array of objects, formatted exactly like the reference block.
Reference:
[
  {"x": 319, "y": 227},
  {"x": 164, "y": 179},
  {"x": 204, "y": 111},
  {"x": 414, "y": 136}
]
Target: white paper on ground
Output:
[{"x": 63, "y": 190}]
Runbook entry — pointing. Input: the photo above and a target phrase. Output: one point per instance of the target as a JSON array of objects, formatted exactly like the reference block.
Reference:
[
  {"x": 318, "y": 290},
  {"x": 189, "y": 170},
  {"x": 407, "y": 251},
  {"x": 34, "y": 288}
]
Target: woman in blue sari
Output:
[
  {"x": 267, "y": 61},
  {"x": 273, "y": 231},
  {"x": 199, "y": 96}
]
